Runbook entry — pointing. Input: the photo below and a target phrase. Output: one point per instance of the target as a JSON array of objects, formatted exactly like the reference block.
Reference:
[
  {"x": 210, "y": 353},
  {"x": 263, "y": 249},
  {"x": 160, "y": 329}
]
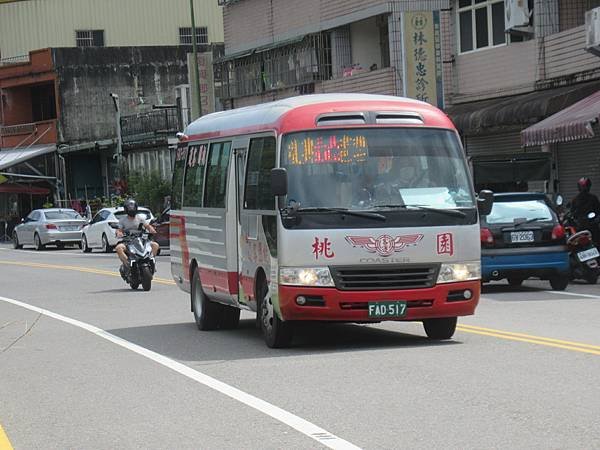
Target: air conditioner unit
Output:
[
  {"x": 516, "y": 15},
  {"x": 592, "y": 31}
]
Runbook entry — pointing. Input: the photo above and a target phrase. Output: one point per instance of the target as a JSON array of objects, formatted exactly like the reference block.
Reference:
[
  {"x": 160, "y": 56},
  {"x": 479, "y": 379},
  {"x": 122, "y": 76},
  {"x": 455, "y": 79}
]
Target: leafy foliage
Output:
[{"x": 149, "y": 190}]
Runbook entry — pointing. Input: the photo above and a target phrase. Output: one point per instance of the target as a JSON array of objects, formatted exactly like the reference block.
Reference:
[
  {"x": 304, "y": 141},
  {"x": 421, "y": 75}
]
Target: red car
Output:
[{"x": 162, "y": 230}]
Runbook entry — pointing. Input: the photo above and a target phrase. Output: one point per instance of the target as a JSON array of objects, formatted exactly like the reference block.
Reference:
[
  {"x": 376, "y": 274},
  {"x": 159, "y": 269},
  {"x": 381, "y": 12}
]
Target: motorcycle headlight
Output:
[
  {"x": 454, "y": 272},
  {"x": 306, "y": 276}
]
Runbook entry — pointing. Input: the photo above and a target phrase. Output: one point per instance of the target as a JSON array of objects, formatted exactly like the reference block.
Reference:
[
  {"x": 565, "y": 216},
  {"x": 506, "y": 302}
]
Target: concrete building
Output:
[
  {"x": 55, "y": 108},
  {"x": 503, "y": 83}
]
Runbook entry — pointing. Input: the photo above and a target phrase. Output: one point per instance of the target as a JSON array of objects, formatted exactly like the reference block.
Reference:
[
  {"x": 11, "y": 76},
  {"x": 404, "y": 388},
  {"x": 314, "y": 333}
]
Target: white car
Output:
[{"x": 99, "y": 234}]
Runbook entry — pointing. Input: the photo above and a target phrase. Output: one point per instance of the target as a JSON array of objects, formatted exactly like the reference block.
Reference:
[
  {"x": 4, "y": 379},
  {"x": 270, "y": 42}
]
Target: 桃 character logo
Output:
[{"x": 384, "y": 245}]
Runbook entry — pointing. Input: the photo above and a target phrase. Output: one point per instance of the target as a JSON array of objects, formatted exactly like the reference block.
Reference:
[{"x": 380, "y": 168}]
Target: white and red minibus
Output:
[{"x": 336, "y": 207}]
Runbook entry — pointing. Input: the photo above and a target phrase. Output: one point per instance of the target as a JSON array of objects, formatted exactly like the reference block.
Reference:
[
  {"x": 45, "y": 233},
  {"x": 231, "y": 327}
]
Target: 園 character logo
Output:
[
  {"x": 384, "y": 245},
  {"x": 445, "y": 244},
  {"x": 419, "y": 21},
  {"x": 322, "y": 248}
]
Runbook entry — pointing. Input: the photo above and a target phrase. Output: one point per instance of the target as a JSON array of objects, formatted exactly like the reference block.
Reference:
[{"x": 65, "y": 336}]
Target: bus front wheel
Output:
[
  {"x": 440, "y": 329},
  {"x": 207, "y": 314},
  {"x": 277, "y": 333}
]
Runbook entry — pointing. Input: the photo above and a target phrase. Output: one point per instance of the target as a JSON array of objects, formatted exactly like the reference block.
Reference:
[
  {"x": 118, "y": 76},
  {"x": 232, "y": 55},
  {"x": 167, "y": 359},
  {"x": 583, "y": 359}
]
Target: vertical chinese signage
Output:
[
  {"x": 207, "y": 85},
  {"x": 421, "y": 40}
]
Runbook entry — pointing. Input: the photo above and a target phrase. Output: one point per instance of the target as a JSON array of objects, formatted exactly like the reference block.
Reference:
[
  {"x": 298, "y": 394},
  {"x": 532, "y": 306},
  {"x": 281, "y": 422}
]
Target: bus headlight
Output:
[
  {"x": 454, "y": 272},
  {"x": 306, "y": 276}
]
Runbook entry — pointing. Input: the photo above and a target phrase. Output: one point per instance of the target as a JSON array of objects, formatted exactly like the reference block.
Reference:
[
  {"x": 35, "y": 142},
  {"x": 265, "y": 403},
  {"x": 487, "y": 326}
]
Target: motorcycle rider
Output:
[
  {"x": 130, "y": 222},
  {"x": 584, "y": 203}
]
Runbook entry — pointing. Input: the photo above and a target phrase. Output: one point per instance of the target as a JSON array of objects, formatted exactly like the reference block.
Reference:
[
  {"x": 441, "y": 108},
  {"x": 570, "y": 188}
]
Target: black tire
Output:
[
  {"x": 231, "y": 317},
  {"x": 134, "y": 285},
  {"x": 106, "y": 248},
  {"x": 515, "y": 281},
  {"x": 60, "y": 246},
  {"x": 146, "y": 276},
  {"x": 15, "y": 240},
  {"x": 84, "y": 245},
  {"x": 559, "y": 282},
  {"x": 277, "y": 333},
  {"x": 207, "y": 314},
  {"x": 440, "y": 329},
  {"x": 591, "y": 278},
  {"x": 38, "y": 242}
]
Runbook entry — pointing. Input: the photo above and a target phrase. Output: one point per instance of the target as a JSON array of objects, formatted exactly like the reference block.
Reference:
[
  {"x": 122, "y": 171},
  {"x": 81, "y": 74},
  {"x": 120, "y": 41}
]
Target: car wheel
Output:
[
  {"x": 15, "y": 240},
  {"x": 559, "y": 282},
  {"x": 276, "y": 332},
  {"x": 38, "y": 242},
  {"x": 231, "y": 317},
  {"x": 207, "y": 314},
  {"x": 84, "y": 245},
  {"x": 440, "y": 329},
  {"x": 106, "y": 248},
  {"x": 514, "y": 281},
  {"x": 60, "y": 246}
]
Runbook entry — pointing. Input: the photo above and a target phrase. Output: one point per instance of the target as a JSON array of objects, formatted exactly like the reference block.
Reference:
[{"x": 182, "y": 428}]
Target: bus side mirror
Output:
[
  {"x": 279, "y": 182},
  {"x": 485, "y": 201}
]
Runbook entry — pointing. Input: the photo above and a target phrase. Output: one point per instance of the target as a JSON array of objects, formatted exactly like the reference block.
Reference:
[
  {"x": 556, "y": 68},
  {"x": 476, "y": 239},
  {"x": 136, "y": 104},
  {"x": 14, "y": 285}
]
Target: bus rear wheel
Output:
[
  {"x": 207, "y": 314},
  {"x": 276, "y": 332},
  {"x": 440, "y": 329}
]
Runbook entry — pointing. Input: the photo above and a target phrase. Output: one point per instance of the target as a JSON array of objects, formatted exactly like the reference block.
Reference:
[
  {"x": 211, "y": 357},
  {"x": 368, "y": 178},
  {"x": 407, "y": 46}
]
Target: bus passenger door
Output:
[{"x": 240, "y": 155}]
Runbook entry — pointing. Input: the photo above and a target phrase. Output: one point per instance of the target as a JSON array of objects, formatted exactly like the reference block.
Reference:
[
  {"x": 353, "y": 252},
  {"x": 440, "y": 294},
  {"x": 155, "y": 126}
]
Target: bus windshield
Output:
[{"x": 376, "y": 168}]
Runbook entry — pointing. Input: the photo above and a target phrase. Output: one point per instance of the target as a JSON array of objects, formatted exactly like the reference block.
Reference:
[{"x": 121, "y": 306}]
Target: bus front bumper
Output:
[{"x": 331, "y": 304}]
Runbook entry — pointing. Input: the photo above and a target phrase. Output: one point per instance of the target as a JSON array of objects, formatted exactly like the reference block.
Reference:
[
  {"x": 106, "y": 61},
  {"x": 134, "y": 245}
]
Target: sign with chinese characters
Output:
[
  {"x": 329, "y": 149},
  {"x": 445, "y": 244},
  {"x": 197, "y": 155},
  {"x": 423, "y": 76},
  {"x": 321, "y": 248},
  {"x": 207, "y": 85},
  {"x": 384, "y": 245}
]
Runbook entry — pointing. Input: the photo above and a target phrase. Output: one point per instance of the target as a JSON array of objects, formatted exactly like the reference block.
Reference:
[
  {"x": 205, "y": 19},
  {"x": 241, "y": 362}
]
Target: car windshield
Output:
[
  {"x": 143, "y": 212},
  {"x": 62, "y": 215},
  {"x": 376, "y": 168},
  {"x": 519, "y": 211}
]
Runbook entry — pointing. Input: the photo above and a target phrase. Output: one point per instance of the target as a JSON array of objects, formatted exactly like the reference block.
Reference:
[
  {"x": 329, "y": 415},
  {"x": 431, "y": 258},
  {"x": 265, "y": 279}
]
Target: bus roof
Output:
[{"x": 302, "y": 112}]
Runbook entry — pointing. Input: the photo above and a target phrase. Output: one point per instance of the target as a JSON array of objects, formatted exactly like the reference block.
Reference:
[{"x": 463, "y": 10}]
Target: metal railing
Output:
[
  {"x": 20, "y": 59},
  {"x": 15, "y": 130},
  {"x": 161, "y": 121}
]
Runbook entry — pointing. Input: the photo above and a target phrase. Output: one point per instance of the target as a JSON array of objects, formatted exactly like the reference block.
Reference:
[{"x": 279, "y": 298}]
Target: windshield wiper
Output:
[
  {"x": 449, "y": 212},
  {"x": 535, "y": 219},
  {"x": 368, "y": 215}
]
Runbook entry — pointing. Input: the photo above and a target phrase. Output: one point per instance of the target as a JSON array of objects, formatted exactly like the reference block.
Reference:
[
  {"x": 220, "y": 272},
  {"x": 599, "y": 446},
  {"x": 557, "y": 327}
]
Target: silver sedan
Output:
[{"x": 43, "y": 227}]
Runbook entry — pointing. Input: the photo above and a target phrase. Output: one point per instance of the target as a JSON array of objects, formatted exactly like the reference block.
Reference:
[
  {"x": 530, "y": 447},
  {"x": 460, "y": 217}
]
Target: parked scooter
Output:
[
  {"x": 142, "y": 265},
  {"x": 584, "y": 257}
]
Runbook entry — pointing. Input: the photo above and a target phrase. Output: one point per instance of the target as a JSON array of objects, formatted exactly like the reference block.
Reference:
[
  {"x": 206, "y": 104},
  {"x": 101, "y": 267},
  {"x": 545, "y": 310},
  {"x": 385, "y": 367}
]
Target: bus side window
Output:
[
  {"x": 216, "y": 175},
  {"x": 178, "y": 170},
  {"x": 194, "y": 175},
  {"x": 261, "y": 159}
]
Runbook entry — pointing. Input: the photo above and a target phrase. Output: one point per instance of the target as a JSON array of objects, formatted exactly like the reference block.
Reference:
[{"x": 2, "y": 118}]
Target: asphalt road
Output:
[{"x": 87, "y": 363}]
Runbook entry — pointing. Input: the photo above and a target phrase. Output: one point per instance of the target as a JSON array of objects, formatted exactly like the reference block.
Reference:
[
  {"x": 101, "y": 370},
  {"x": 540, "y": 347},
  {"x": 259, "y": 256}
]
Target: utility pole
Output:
[
  {"x": 195, "y": 63},
  {"x": 115, "y": 98}
]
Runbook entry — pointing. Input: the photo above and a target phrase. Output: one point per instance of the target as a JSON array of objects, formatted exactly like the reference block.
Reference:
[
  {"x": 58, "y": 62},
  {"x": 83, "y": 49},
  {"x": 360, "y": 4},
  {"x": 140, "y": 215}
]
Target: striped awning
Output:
[{"x": 570, "y": 124}]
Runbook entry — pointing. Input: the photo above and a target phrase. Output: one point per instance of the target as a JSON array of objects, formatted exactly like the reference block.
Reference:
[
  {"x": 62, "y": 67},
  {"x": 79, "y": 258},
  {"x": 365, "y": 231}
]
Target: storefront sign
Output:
[
  {"x": 207, "y": 91},
  {"x": 423, "y": 77}
]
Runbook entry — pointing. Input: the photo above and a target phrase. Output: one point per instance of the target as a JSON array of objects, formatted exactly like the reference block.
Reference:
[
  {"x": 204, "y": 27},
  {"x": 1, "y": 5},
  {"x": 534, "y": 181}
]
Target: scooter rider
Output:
[
  {"x": 131, "y": 222},
  {"x": 584, "y": 203}
]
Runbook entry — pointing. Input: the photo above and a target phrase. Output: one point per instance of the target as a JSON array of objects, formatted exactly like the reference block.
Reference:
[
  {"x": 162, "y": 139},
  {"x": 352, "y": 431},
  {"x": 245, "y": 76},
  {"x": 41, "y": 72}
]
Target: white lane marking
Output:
[
  {"x": 298, "y": 423},
  {"x": 573, "y": 294}
]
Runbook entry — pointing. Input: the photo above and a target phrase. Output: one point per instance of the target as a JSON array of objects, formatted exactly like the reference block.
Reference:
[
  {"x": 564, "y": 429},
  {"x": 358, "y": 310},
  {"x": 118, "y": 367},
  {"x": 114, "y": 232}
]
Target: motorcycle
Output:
[
  {"x": 142, "y": 265},
  {"x": 584, "y": 257}
]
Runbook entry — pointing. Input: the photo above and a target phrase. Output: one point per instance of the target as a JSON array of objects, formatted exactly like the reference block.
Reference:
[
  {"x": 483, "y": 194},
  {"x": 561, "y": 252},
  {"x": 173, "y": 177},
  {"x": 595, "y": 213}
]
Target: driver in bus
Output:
[{"x": 380, "y": 183}]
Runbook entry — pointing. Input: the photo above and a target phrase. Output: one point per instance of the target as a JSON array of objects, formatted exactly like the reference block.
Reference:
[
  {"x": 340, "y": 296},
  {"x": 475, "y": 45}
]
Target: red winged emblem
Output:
[{"x": 385, "y": 244}]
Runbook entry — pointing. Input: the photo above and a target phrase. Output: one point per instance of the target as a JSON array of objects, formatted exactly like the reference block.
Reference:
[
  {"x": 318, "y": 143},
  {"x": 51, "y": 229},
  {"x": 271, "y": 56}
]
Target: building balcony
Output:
[
  {"x": 382, "y": 81},
  {"x": 23, "y": 135},
  {"x": 150, "y": 125}
]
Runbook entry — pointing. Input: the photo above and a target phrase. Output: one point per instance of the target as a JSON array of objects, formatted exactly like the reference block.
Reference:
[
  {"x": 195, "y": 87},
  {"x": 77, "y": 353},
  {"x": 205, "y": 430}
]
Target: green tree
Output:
[{"x": 149, "y": 190}]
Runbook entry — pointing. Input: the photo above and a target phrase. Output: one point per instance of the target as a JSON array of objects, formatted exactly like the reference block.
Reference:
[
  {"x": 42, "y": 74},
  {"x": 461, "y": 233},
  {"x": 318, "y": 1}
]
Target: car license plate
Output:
[
  {"x": 521, "y": 236},
  {"x": 586, "y": 255},
  {"x": 387, "y": 309},
  {"x": 69, "y": 228}
]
